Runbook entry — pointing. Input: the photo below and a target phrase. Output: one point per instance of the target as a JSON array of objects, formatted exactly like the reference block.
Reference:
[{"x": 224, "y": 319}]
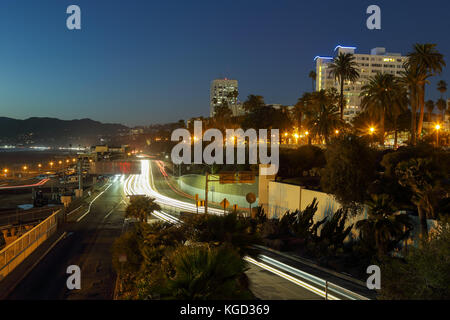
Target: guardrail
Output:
[{"x": 12, "y": 255}]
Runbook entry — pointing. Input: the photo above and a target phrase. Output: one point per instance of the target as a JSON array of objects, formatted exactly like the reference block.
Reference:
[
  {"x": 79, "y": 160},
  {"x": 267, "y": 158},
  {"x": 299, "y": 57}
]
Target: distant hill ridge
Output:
[{"x": 42, "y": 128}]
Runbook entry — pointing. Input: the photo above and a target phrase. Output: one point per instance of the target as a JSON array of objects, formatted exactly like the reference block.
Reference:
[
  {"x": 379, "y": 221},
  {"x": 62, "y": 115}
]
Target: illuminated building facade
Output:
[{"x": 378, "y": 61}]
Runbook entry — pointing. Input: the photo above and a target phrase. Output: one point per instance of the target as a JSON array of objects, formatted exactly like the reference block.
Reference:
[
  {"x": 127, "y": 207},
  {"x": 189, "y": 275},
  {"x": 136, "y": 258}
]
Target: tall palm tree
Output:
[
  {"x": 300, "y": 108},
  {"x": 442, "y": 88},
  {"x": 141, "y": 207},
  {"x": 384, "y": 95},
  {"x": 344, "y": 68},
  {"x": 441, "y": 104},
  {"x": 323, "y": 115},
  {"x": 411, "y": 79},
  {"x": 430, "y": 107},
  {"x": 429, "y": 62},
  {"x": 313, "y": 76}
]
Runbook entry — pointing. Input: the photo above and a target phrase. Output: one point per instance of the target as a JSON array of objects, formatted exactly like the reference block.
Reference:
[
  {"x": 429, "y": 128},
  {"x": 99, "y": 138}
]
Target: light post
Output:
[
  {"x": 437, "y": 127},
  {"x": 371, "y": 132}
]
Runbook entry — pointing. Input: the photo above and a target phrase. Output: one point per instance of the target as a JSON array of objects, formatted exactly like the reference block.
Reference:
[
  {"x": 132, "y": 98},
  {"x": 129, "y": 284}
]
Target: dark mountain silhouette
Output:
[{"x": 54, "y": 130}]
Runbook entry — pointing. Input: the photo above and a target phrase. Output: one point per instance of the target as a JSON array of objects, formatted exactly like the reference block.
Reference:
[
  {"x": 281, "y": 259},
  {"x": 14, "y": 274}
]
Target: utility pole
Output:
[{"x": 80, "y": 178}]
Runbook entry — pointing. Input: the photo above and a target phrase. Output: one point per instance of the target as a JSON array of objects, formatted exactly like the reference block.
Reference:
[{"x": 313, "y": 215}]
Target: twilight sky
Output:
[{"x": 140, "y": 62}]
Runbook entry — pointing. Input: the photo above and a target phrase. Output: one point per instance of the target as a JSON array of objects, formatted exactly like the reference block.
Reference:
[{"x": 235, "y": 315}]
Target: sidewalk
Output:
[{"x": 8, "y": 284}]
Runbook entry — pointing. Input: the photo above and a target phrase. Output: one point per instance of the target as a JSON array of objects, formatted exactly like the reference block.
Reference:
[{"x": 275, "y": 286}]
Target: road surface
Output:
[{"x": 88, "y": 245}]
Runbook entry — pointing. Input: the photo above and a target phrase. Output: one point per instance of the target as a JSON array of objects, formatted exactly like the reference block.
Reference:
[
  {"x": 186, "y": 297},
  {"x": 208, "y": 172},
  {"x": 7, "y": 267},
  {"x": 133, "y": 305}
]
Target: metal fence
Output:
[{"x": 12, "y": 255}]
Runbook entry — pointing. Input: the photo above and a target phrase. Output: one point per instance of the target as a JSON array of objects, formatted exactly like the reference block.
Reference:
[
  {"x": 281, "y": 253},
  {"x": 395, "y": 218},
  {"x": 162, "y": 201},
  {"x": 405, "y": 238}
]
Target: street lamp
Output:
[
  {"x": 437, "y": 127},
  {"x": 372, "y": 130}
]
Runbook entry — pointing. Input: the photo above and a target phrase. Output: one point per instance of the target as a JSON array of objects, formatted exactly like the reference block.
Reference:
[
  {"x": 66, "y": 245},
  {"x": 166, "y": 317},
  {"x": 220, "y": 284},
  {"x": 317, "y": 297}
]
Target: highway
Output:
[
  {"x": 286, "y": 282},
  {"x": 87, "y": 244}
]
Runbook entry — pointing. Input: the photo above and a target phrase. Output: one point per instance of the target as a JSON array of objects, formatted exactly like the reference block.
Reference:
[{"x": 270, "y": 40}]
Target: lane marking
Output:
[{"x": 90, "y": 204}]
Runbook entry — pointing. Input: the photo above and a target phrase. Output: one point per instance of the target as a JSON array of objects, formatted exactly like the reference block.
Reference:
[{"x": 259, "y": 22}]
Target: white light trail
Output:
[{"x": 143, "y": 185}]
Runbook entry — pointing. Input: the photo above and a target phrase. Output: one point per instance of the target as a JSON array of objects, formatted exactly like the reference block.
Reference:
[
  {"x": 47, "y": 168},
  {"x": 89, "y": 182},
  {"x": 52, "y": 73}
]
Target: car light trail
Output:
[
  {"x": 40, "y": 183},
  {"x": 290, "y": 278},
  {"x": 143, "y": 185}
]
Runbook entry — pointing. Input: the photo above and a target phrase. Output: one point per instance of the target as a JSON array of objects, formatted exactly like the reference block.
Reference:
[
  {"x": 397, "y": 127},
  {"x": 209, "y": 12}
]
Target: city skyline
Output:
[{"x": 142, "y": 63}]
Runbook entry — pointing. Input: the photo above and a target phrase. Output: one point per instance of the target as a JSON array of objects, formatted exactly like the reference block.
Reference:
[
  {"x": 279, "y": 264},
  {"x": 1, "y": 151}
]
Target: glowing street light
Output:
[
  {"x": 51, "y": 164},
  {"x": 371, "y": 130},
  {"x": 337, "y": 131},
  {"x": 25, "y": 168},
  {"x": 39, "y": 165},
  {"x": 437, "y": 127}
]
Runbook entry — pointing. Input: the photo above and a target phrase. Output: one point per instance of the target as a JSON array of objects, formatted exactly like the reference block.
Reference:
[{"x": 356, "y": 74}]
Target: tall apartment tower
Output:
[
  {"x": 378, "y": 61},
  {"x": 222, "y": 90}
]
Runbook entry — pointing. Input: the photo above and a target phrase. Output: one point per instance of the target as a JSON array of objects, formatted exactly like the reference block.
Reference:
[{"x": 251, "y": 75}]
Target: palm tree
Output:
[
  {"x": 300, "y": 108},
  {"x": 202, "y": 273},
  {"x": 430, "y": 107},
  {"x": 141, "y": 207},
  {"x": 323, "y": 114},
  {"x": 313, "y": 76},
  {"x": 253, "y": 102},
  {"x": 382, "y": 224},
  {"x": 441, "y": 104},
  {"x": 411, "y": 79},
  {"x": 428, "y": 62},
  {"x": 442, "y": 88},
  {"x": 383, "y": 95},
  {"x": 343, "y": 68}
]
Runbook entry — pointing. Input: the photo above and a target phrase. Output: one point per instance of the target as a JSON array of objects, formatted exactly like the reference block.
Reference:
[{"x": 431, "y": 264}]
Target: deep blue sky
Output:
[{"x": 142, "y": 62}]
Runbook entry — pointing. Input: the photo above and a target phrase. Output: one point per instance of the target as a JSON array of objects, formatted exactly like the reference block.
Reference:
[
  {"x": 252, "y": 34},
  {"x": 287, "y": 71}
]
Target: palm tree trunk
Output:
[
  {"x": 413, "y": 101},
  {"x": 341, "y": 99},
  {"x": 422, "y": 108}
]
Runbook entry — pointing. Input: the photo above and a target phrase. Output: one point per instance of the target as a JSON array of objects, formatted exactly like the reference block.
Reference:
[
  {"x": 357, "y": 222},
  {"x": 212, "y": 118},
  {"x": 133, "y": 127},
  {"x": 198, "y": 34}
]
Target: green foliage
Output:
[
  {"x": 333, "y": 231},
  {"x": 294, "y": 162},
  {"x": 141, "y": 207},
  {"x": 424, "y": 178},
  {"x": 349, "y": 171},
  {"x": 266, "y": 117},
  {"x": 218, "y": 230},
  {"x": 203, "y": 273},
  {"x": 383, "y": 229},
  {"x": 423, "y": 273}
]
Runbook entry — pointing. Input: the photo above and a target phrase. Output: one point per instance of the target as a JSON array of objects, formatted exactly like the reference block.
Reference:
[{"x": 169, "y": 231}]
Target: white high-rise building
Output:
[
  {"x": 378, "y": 61},
  {"x": 222, "y": 90}
]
